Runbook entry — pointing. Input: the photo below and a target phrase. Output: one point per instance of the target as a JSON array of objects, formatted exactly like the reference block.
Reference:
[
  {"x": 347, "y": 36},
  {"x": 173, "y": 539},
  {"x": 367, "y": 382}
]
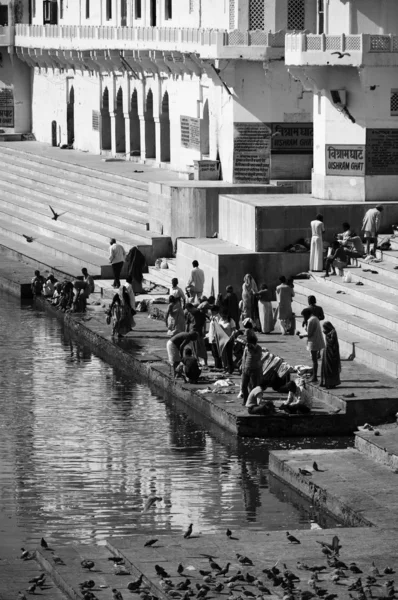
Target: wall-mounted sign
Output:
[
  {"x": 382, "y": 152},
  {"x": 252, "y": 149},
  {"x": 6, "y": 107},
  {"x": 292, "y": 138},
  {"x": 95, "y": 120},
  {"x": 345, "y": 160},
  {"x": 190, "y": 132}
]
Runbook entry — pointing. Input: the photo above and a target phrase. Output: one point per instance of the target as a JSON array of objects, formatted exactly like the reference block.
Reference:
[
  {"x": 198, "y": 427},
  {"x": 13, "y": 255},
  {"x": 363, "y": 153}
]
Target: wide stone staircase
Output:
[
  {"x": 98, "y": 205},
  {"x": 364, "y": 312}
]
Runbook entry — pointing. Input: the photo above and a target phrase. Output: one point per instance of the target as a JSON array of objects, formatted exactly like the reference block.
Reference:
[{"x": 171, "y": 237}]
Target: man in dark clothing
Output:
[
  {"x": 195, "y": 322},
  {"x": 176, "y": 344},
  {"x": 37, "y": 284},
  {"x": 135, "y": 263},
  {"x": 316, "y": 310},
  {"x": 338, "y": 259},
  {"x": 189, "y": 367},
  {"x": 231, "y": 303}
]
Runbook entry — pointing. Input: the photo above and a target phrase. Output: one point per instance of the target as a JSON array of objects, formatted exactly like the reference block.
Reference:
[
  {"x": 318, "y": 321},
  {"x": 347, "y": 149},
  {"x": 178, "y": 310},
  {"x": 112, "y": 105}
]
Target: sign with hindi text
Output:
[
  {"x": 252, "y": 150},
  {"x": 190, "y": 132},
  {"x": 345, "y": 159},
  {"x": 292, "y": 138},
  {"x": 6, "y": 107},
  {"x": 382, "y": 151}
]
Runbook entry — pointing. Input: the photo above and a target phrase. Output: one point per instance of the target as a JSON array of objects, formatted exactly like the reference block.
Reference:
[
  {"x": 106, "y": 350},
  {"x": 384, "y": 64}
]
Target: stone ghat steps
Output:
[
  {"x": 383, "y": 448},
  {"x": 69, "y": 184},
  {"x": 93, "y": 238},
  {"x": 367, "y": 352},
  {"x": 372, "y": 344},
  {"x": 16, "y": 190},
  {"x": 47, "y": 251},
  {"x": 354, "y": 302},
  {"x": 350, "y": 485},
  {"x": 74, "y": 171},
  {"x": 162, "y": 277}
]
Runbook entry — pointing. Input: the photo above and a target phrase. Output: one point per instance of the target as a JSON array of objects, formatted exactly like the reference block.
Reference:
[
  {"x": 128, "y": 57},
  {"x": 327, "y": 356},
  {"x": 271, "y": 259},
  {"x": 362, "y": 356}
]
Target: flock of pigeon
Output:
[{"x": 244, "y": 583}]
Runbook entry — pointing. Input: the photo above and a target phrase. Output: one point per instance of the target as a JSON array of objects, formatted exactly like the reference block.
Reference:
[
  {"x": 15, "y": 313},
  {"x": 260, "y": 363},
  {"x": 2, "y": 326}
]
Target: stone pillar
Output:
[
  {"x": 141, "y": 91},
  {"x": 126, "y": 113},
  {"x": 113, "y": 132},
  {"x": 157, "y": 138}
]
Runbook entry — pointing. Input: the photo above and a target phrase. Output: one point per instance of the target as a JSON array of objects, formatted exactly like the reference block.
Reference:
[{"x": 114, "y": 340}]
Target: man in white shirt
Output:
[
  {"x": 315, "y": 342},
  {"x": 196, "y": 282},
  {"x": 117, "y": 257}
]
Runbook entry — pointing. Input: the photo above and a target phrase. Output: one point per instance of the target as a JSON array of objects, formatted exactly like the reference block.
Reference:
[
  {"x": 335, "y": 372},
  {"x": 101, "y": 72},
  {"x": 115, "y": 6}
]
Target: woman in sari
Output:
[
  {"x": 120, "y": 309},
  {"x": 331, "y": 365},
  {"x": 265, "y": 309},
  {"x": 175, "y": 318},
  {"x": 249, "y": 291}
]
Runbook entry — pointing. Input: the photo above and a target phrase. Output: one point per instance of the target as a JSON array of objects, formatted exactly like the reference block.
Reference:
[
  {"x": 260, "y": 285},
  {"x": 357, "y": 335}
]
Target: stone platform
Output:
[
  {"x": 365, "y": 546},
  {"x": 355, "y": 485}
]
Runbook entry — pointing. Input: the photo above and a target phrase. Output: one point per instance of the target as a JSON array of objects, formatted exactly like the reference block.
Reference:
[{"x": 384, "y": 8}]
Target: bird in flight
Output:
[
  {"x": 342, "y": 54},
  {"x": 56, "y": 215},
  {"x": 29, "y": 238}
]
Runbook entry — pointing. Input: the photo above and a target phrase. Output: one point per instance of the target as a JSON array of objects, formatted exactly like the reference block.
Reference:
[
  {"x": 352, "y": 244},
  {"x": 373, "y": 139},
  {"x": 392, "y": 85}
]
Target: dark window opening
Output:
[
  {"x": 50, "y": 13},
  {"x": 87, "y": 9},
  {"x": 153, "y": 13},
  {"x": 321, "y": 16},
  {"x": 61, "y": 9},
  {"x": 108, "y": 10},
  {"x": 138, "y": 9},
  {"x": 4, "y": 16},
  {"x": 168, "y": 9}
]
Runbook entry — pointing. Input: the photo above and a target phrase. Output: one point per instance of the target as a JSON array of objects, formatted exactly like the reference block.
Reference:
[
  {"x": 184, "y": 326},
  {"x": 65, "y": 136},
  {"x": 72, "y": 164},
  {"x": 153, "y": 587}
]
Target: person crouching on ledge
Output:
[
  {"x": 298, "y": 400},
  {"x": 189, "y": 367},
  {"x": 256, "y": 405}
]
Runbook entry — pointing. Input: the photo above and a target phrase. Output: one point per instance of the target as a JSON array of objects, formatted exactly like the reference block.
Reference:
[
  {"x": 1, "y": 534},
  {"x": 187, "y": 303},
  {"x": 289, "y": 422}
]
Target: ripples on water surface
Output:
[{"x": 82, "y": 447}]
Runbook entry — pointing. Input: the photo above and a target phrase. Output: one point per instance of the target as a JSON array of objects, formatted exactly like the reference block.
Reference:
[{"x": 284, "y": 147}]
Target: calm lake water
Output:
[{"x": 82, "y": 447}]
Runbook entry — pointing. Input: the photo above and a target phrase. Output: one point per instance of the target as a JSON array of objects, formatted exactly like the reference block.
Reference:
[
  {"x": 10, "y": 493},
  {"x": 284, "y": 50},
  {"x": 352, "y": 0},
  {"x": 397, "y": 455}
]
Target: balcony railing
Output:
[
  {"x": 6, "y": 35},
  {"x": 211, "y": 41}
]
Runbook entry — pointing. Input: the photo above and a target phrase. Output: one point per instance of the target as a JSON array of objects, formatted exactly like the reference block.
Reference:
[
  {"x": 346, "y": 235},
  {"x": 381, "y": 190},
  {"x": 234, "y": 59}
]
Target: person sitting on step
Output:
[{"x": 298, "y": 400}]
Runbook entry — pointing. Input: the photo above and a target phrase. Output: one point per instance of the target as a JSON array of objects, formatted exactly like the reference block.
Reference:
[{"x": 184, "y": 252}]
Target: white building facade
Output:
[
  {"x": 351, "y": 66},
  {"x": 169, "y": 82}
]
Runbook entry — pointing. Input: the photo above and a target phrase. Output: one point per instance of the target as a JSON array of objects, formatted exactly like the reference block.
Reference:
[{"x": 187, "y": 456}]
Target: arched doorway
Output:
[
  {"x": 120, "y": 130},
  {"x": 205, "y": 131},
  {"x": 150, "y": 142},
  {"x": 135, "y": 133},
  {"x": 70, "y": 117},
  {"x": 165, "y": 130},
  {"x": 106, "y": 138},
  {"x": 54, "y": 133}
]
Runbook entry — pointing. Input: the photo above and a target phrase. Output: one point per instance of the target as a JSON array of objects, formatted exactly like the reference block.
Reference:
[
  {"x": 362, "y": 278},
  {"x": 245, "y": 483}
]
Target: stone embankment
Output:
[{"x": 364, "y": 394}]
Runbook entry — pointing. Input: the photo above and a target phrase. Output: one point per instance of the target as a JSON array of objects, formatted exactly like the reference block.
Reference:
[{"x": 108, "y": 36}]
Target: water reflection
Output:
[{"x": 82, "y": 448}]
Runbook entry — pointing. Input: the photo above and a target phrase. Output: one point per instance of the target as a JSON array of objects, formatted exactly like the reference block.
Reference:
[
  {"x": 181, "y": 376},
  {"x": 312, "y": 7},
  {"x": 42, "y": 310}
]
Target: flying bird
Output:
[
  {"x": 341, "y": 54},
  {"x": 292, "y": 539},
  {"x": 188, "y": 532},
  {"x": 56, "y": 215},
  {"x": 151, "y": 542},
  {"x": 29, "y": 238}
]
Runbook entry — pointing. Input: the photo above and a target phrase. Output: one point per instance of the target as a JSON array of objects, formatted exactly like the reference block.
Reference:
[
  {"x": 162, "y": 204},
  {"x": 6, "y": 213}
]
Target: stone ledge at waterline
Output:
[{"x": 143, "y": 355}]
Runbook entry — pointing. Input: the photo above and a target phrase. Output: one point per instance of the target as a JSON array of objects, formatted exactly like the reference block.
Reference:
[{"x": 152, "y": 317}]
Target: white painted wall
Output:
[
  {"x": 366, "y": 16},
  {"x": 49, "y": 104}
]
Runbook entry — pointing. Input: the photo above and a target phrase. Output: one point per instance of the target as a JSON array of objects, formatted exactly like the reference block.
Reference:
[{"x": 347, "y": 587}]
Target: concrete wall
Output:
[
  {"x": 191, "y": 209},
  {"x": 366, "y": 16},
  {"x": 15, "y": 75},
  {"x": 225, "y": 267},
  {"x": 274, "y": 225},
  {"x": 368, "y": 101}
]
